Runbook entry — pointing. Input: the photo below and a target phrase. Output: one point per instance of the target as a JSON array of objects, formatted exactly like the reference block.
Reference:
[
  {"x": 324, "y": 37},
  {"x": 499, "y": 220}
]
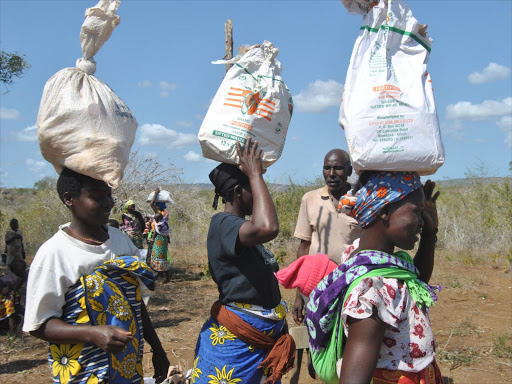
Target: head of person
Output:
[
  {"x": 158, "y": 217},
  {"x": 336, "y": 169},
  {"x": 113, "y": 223},
  {"x": 232, "y": 185},
  {"x": 19, "y": 268},
  {"x": 14, "y": 224},
  {"x": 391, "y": 204},
  {"x": 89, "y": 200},
  {"x": 161, "y": 206},
  {"x": 129, "y": 207}
]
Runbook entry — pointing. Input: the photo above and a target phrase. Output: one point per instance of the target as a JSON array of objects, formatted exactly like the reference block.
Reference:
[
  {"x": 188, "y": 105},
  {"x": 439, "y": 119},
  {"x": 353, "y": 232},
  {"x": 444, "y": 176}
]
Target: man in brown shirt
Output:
[{"x": 320, "y": 227}]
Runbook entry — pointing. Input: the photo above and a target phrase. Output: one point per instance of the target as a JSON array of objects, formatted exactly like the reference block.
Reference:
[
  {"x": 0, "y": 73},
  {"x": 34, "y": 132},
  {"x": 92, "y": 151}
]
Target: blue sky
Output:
[{"x": 158, "y": 61}]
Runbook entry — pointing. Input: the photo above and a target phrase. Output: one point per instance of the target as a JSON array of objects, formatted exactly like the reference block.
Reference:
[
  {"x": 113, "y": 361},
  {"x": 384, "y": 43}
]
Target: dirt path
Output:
[{"x": 472, "y": 324}]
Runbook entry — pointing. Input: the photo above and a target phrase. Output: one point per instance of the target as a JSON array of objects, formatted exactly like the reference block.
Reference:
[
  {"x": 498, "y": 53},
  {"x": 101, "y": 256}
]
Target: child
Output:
[
  {"x": 376, "y": 300},
  {"x": 10, "y": 285},
  {"x": 78, "y": 287}
]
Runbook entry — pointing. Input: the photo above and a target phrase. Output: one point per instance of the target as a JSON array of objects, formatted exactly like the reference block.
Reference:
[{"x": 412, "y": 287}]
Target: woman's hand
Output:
[
  {"x": 298, "y": 309},
  {"x": 110, "y": 338},
  {"x": 161, "y": 365},
  {"x": 429, "y": 214},
  {"x": 250, "y": 158}
]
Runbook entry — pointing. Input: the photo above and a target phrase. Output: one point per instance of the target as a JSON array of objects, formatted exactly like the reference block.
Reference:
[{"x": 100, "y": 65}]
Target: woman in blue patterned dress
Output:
[{"x": 245, "y": 340}]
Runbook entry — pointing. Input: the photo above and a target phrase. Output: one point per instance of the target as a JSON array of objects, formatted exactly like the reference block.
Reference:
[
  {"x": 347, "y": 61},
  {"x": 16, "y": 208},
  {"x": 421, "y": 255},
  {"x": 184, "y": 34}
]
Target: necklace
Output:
[{"x": 85, "y": 238}]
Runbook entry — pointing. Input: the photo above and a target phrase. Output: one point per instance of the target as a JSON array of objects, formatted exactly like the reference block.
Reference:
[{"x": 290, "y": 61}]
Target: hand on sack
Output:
[{"x": 250, "y": 158}]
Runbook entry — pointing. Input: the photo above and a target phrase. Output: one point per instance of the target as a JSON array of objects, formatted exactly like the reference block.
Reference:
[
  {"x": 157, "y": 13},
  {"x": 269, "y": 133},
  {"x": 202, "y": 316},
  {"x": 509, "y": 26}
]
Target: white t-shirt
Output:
[{"x": 58, "y": 265}]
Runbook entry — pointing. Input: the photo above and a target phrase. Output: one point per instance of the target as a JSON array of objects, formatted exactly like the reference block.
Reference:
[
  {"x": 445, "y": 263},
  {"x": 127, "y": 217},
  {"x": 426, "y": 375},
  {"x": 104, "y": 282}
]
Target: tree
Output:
[
  {"x": 47, "y": 182},
  {"x": 141, "y": 176},
  {"x": 12, "y": 65}
]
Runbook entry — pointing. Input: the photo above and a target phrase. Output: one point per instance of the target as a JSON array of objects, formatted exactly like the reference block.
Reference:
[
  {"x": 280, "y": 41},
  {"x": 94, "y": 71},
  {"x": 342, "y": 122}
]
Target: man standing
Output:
[{"x": 321, "y": 228}]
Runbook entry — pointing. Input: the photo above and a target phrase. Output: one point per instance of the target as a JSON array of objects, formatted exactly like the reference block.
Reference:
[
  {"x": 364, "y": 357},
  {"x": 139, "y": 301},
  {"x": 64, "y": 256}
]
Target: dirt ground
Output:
[{"x": 472, "y": 324}]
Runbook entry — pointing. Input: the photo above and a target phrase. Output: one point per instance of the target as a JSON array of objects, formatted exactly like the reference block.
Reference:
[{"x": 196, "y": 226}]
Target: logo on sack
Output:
[{"x": 250, "y": 102}]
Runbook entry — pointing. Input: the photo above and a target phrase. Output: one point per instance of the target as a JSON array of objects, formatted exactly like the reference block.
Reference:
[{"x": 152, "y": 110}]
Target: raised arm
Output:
[
  {"x": 263, "y": 225},
  {"x": 424, "y": 259},
  {"x": 153, "y": 201}
]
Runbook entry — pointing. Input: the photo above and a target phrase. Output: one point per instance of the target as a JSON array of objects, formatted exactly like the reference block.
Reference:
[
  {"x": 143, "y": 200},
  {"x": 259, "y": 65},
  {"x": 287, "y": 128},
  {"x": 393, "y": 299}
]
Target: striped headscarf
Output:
[{"x": 382, "y": 188}]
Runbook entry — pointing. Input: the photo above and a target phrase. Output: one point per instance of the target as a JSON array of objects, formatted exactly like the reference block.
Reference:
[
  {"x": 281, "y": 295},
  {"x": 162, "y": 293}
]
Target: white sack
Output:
[
  {"x": 163, "y": 197},
  {"x": 251, "y": 101},
  {"x": 82, "y": 124},
  {"x": 388, "y": 110}
]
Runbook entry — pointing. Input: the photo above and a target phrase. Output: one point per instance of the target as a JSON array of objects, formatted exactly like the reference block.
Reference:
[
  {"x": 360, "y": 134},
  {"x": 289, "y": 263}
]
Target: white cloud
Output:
[
  {"x": 505, "y": 123},
  {"x": 145, "y": 84},
  {"x": 9, "y": 114},
  {"x": 184, "y": 123},
  {"x": 35, "y": 165},
  {"x": 318, "y": 96},
  {"x": 3, "y": 174},
  {"x": 158, "y": 135},
  {"x": 192, "y": 156},
  {"x": 28, "y": 134},
  {"x": 493, "y": 72},
  {"x": 199, "y": 117},
  {"x": 165, "y": 87},
  {"x": 465, "y": 110}
]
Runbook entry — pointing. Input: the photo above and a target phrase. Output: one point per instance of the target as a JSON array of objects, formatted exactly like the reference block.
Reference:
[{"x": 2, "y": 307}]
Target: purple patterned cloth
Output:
[{"x": 326, "y": 299}]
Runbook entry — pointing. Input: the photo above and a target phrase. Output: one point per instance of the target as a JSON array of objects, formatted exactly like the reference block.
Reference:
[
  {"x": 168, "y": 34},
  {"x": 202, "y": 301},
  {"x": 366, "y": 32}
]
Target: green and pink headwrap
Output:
[{"x": 382, "y": 188}]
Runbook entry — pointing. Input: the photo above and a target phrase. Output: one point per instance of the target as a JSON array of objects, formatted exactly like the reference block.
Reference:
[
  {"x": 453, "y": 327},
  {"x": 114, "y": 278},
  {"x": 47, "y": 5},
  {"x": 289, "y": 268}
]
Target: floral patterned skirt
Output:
[
  {"x": 160, "y": 260},
  {"x": 221, "y": 357}
]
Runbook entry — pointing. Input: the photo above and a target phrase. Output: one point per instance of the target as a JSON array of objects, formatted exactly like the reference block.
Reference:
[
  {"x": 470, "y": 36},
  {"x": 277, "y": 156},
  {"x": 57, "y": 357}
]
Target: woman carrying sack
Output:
[
  {"x": 245, "y": 339},
  {"x": 160, "y": 258}
]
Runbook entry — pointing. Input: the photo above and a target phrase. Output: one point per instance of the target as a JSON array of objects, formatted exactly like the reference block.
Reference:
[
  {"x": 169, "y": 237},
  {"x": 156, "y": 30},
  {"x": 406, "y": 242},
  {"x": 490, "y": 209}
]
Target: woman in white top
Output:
[{"x": 75, "y": 250}]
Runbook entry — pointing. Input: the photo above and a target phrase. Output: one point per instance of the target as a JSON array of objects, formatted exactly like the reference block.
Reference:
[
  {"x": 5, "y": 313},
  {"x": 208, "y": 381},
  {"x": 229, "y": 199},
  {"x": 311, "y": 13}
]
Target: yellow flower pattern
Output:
[
  {"x": 280, "y": 311},
  {"x": 195, "y": 371},
  {"x": 94, "y": 285},
  {"x": 128, "y": 367},
  {"x": 220, "y": 334},
  {"x": 243, "y": 305},
  {"x": 65, "y": 362},
  {"x": 119, "y": 307},
  {"x": 223, "y": 377}
]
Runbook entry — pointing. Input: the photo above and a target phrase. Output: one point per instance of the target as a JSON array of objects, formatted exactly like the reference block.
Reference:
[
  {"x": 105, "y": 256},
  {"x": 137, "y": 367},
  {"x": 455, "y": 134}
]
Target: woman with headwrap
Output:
[
  {"x": 133, "y": 223},
  {"x": 160, "y": 239},
  {"x": 368, "y": 319},
  {"x": 245, "y": 340}
]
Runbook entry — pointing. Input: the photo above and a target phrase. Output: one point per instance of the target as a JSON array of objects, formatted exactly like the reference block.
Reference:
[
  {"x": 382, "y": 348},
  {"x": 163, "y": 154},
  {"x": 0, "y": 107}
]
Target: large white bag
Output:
[
  {"x": 251, "y": 101},
  {"x": 163, "y": 197},
  {"x": 82, "y": 124},
  {"x": 388, "y": 110}
]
